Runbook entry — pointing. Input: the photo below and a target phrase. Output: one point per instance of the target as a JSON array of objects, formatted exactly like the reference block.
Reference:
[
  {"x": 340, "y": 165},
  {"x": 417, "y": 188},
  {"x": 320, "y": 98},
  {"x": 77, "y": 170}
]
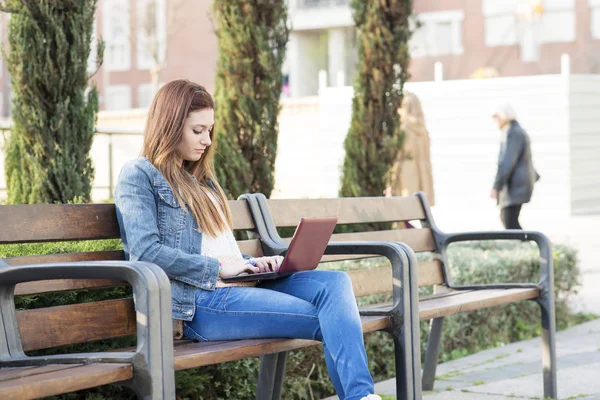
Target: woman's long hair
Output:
[{"x": 164, "y": 130}]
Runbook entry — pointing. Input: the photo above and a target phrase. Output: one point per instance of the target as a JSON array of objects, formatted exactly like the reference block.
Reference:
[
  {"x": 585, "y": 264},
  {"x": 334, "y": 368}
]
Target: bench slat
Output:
[
  {"x": 77, "y": 323},
  {"x": 417, "y": 239},
  {"x": 67, "y": 257},
  {"x": 251, "y": 247},
  {"x": 348, "y": 210},
  {"x": 379, "y": 280},
  {"x": 59, "y": 285},
  {"x": 63, "y": 285},
  {"x": 240, "y": 215},
  {"x": 63, "y": 380},
  {"x": 7, "y": 374},
  {"x": 56, "y": 222},
  {"x": 64, "y": 222},
  {"x": 471, "y": 300},
  {"x": 430, "y": 273},
  {"x": 190, "y": 354}
]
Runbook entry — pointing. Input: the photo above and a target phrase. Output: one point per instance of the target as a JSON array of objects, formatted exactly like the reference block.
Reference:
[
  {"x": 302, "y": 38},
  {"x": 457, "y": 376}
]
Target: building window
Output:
[
  {"x": 116, "y": 30},
  {"x": 118, "y": 97},
  {"x": 151, "y": 32},
  {"x": 144, "y": 95},
  {"x": 510, "y": 22},
  {"x": 500, "y": 30},
  {"x": 439, "y": 33},
  {"x": 595, "y": 18},
  {"x": 3, "y": 40},
  {"x": 558, "y": 26},
  {"x": 321, "y": 3}
]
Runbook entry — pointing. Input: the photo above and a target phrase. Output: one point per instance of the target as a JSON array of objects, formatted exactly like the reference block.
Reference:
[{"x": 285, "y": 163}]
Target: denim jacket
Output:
[{"x": 156, "y": 229}]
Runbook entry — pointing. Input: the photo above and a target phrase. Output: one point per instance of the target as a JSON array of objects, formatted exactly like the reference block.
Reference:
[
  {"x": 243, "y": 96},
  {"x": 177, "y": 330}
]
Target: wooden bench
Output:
[
  {"x": 448, "y": 298},
  {"x": 148, "y": 368}
]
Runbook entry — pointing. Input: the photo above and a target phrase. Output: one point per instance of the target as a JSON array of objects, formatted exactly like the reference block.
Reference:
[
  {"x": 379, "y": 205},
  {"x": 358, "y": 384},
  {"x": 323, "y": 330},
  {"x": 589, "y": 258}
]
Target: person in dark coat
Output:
[{"x": 515, "y": 178}]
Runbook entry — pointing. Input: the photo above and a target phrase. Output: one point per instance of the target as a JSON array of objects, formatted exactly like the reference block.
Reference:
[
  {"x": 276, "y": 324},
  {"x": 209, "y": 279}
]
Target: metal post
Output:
[
  {"x": 270, "y": 378},
  {"x": 433, "y": 349},
  {"x": 110, "y": 166}
]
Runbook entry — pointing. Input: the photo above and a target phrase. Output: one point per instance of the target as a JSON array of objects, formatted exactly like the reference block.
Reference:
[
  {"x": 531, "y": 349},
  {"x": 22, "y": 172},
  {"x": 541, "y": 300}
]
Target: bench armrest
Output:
[
  {"x": 546, "y": 284},
  {"x": 402, "y": 258},
  {"x": 153, "y": 357}
]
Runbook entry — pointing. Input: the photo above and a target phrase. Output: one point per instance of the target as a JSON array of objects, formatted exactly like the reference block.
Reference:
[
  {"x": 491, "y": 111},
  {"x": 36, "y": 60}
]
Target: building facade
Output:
[
  {"x": 470, "y": 38},
  {"x": 175, "y": 35}
]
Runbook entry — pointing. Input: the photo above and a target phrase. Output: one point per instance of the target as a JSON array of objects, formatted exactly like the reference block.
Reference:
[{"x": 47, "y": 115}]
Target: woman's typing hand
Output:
[
  {"x": 268, "y": 264},
  {"x": 252, "y": 266}
]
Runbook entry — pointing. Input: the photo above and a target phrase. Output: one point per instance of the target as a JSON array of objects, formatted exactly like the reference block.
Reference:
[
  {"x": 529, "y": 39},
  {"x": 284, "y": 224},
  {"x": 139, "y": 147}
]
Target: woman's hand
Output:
[
  {"x": 252, "y": 266},
  {"x": 268, "y": 264},
  {"x": 237, "y": 267}
]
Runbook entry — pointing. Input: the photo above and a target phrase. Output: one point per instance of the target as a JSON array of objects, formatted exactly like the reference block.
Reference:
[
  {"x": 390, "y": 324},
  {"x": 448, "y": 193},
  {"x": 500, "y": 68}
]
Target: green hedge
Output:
[{"x": 306, "y": 376}]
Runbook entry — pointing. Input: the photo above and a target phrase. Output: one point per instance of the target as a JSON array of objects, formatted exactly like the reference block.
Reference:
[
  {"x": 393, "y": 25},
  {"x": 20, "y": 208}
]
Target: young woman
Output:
[{"x": 173, "y": 213}]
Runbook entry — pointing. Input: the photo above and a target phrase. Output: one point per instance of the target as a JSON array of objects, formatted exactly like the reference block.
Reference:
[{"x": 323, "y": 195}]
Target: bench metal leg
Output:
[
  {"x": 407, "y": 384},
  {"x": 433, "y": 350},
  {"x": 270, "y": 378},
  {"x": 548, "y": 347}
]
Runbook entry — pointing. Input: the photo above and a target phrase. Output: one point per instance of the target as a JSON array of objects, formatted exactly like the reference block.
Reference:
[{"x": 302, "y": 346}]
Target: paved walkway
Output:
[{"x": 514, "y": 371}]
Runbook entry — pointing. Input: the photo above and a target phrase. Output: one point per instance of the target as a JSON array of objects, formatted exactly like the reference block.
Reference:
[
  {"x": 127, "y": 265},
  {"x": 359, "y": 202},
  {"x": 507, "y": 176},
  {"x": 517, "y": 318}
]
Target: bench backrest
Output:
[
  {"x": 78, "y": 323},
  {"x": 62, "y": 325},
  {"x": 369, "y": 210}
]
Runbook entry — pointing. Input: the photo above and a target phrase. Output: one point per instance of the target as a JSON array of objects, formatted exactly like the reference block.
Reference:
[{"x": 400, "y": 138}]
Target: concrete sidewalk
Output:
[{"x": 514, "y": 371}]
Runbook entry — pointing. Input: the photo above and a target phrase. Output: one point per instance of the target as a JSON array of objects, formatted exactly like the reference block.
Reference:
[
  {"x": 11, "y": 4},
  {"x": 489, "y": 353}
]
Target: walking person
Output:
[
  {"x": 515, "y": 177},
  {"x": 172, "y": 212}
]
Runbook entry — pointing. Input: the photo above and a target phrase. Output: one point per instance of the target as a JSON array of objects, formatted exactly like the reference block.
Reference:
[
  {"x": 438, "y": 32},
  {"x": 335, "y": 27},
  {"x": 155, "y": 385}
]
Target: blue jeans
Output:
[{"x": 317, "y": 305}]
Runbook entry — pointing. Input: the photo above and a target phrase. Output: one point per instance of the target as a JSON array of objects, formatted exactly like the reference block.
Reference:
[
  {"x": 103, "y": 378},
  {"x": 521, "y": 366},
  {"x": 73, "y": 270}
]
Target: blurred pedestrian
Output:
[
  {"x": 515, "y": 177},
  {"x": 411, "y": 171}
]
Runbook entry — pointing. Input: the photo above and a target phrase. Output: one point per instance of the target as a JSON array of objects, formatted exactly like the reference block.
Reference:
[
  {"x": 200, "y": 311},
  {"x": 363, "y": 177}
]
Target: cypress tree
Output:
[
  {"x": 252, "y": 35},
  {"x": 374, "y": 139},
  {"x": 47, "y": 152}
]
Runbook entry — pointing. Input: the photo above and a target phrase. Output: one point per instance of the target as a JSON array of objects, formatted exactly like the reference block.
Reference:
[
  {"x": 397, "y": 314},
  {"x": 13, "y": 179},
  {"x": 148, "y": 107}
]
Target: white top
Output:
[{"x": 222, "y": 247}]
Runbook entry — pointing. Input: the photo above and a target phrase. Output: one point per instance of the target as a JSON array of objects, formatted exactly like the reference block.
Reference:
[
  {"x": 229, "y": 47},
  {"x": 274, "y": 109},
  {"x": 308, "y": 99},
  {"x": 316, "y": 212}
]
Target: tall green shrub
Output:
[
  {"x": 374, "y": 138},
  {"x": 252, "y": 35},
  {"x": 47, "y": 156}
]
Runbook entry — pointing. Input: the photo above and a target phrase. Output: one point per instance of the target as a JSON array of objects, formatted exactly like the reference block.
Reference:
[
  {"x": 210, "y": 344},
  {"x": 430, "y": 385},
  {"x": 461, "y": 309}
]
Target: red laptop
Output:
[{"x": 304, "y": 254}]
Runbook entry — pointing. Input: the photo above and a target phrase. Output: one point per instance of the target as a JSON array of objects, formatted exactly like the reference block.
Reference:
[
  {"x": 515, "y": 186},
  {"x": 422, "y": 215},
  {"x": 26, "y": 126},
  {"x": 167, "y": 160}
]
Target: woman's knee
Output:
[
  {"x": 336, "y": 277},
  {"x": 337, "y": 281}
]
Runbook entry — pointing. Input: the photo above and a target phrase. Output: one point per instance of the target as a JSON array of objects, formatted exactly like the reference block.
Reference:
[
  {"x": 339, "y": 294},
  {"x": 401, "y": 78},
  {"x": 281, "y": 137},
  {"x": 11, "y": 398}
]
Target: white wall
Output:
[
  {"x": 564, "y": 130},
  {"x": 584, "y": 103},
  {"x": 329, "y": 15},
  {"x": 464, "y": 146},
  {"x": 307, "y": 54}
]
